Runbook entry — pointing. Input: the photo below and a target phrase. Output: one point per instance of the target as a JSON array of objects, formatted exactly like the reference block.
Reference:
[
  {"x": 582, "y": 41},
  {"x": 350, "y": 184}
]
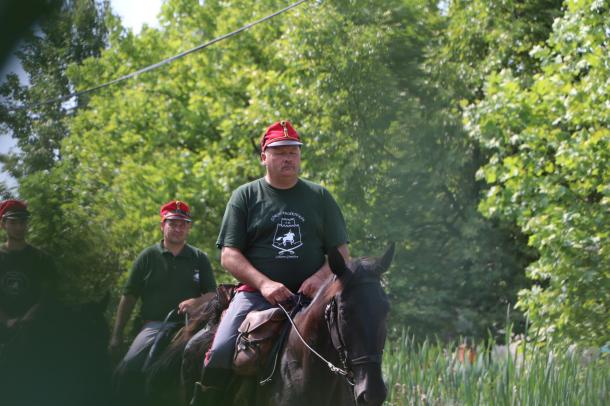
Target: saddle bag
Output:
[{"x": 257, "y": 335}]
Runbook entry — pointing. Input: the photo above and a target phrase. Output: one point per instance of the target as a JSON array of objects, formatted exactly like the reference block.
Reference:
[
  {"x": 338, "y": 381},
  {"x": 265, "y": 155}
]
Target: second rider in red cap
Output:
[{"x": 166, "y": 276}]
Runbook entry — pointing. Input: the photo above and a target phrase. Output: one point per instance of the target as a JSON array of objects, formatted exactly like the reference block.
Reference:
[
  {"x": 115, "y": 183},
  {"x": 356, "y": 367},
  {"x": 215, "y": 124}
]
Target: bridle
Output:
[
  {"x": 329, "y": 364},
  {"x": 331, "y": 315}
]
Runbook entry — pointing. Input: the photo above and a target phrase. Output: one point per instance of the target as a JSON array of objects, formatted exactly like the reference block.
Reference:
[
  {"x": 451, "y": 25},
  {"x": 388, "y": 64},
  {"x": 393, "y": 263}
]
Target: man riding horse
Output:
[
  {"x": 270, "y": 267},
  {"x": 27, "y": 275},
  {"x": 168, "y": 275}
]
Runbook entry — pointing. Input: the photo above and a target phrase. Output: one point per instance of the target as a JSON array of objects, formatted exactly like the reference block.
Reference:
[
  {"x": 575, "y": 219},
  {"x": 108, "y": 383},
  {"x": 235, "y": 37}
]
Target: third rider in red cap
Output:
[{"x": 28, "y": 277}]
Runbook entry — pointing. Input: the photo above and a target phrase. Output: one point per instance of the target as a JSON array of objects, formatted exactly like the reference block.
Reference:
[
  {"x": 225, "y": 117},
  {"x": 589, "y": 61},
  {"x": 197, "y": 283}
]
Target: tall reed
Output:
[{"x": 431, "y": 373}]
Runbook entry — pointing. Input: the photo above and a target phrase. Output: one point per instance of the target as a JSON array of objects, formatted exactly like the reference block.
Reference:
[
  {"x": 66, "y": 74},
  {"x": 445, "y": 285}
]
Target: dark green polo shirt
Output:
[
  {"x": 284, "y": 233},
  {"x": 163, "y": 280}
]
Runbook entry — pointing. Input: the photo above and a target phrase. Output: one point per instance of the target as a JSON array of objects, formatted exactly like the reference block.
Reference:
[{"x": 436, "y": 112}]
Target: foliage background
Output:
[{"x": 469, "y": 132}]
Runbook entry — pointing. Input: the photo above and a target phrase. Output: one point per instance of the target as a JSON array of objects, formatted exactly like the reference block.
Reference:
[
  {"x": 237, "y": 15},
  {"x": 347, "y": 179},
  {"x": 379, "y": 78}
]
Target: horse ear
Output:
[
  {"x": 386, "y": 260},
  {"x": 336, "y": 262}
]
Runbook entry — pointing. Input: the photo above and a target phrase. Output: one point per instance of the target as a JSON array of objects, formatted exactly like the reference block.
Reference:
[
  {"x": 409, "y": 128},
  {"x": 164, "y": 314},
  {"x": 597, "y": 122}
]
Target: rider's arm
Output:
[
  {"x": 191, "y": 306},
  {"x": 123, "y": 314},
  {"x": 310, "y": 286},
  {"x": 238, "y": 265}
]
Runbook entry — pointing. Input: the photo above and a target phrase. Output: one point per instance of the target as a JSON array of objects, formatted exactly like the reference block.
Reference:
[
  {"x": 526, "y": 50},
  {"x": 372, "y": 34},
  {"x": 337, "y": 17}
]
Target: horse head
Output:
[{"x": 356, "y": 317}]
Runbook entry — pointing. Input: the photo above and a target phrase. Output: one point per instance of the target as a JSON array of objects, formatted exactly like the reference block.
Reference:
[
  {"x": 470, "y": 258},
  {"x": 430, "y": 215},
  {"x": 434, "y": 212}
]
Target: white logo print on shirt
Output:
[{"x": 287, "y": 238}]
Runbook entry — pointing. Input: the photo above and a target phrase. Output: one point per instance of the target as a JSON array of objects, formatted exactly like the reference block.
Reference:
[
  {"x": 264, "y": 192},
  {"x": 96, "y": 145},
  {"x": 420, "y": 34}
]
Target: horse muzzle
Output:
[{"x": 369, "y": 388}]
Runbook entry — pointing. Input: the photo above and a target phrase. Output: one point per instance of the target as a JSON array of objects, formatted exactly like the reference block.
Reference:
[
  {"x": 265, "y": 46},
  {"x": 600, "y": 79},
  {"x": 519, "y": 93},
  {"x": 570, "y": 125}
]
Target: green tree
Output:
[
  {"x": 350, "y": 76},
  {"x": 72, "y": 31},
  {"x": 364, "y": 83},
  {"x": 484, "y": 36},
  {"x": 465, "y": 270},
  {"x": 4, "y": 192},
  {"x": 399, "y": 169},
  {"x": 174, "y": 133},
  {"x": 547, "y": 140}
]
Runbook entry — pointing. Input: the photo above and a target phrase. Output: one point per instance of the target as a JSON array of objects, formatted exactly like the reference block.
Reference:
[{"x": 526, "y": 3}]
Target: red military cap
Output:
[
  {"x": 175, "y": 210},
  {"x": 278, "y": 134},
  {"x": 13, "y": 208}
]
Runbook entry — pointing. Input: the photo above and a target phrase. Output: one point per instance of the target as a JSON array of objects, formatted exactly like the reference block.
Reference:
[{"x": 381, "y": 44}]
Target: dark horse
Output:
[
  {"x": 59, "y": 358},
  {"x": 345, "y": 324}
]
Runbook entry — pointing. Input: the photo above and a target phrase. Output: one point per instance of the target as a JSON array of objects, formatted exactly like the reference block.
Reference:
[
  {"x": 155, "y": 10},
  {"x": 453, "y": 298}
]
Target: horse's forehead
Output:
[
  {"x": 365, "y": 265},
  {"x": 362, "y": 282},
  {"x": 348, "y": 283}
]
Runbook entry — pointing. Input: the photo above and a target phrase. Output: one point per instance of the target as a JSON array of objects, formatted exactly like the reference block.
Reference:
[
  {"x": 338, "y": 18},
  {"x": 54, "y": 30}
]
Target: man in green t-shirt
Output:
[
  {"x": 274, "y": 237},
  {"x": 166, "y": 276},
  {"x": 27, "y": 275}
]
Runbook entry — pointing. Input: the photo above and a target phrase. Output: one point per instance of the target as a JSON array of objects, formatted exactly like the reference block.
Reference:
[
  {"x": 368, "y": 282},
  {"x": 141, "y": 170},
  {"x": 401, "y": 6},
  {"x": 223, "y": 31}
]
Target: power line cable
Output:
[{"x": 161, "y": 63}]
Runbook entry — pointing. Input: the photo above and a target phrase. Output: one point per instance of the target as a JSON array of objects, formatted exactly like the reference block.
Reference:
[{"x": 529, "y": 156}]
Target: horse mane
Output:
[
  {"x": 168, "y": 366},
  {"x": 207, "y": 313},
  {"x": 312, "y": 314}
]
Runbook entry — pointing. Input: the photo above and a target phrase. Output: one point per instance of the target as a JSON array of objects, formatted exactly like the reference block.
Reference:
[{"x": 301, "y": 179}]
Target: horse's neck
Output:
[
  {"x": 304, "y": 378},
  {"x": 314, "y": 330},
  {"x": 312, "y": 325}
]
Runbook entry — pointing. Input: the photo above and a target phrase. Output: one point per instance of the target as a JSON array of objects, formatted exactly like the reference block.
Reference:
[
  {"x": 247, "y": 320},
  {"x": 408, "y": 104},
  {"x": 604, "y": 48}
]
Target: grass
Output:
[{"x": 431, "y": 374}]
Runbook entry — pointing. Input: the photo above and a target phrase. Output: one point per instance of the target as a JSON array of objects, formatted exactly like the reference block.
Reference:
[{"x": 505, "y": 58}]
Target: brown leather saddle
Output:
[
  {"x": 261, "y": 338},
  {"x": 258, "y": 334}
]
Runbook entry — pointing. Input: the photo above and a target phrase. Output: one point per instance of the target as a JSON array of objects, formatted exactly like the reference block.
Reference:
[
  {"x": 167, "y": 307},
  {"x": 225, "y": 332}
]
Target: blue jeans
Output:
[
  {"x": 128, "y": 376},
  {"x": 220, "y": 358},
  {"x": 138, "y": 351}
]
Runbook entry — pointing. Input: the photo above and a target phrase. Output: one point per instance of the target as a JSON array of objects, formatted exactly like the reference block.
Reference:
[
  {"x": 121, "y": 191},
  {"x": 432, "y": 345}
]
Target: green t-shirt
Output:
[
  {"x": 284, "y": 233},
  {"x": 163, "y": 280},
  {"x": 25, "y": 276}
]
